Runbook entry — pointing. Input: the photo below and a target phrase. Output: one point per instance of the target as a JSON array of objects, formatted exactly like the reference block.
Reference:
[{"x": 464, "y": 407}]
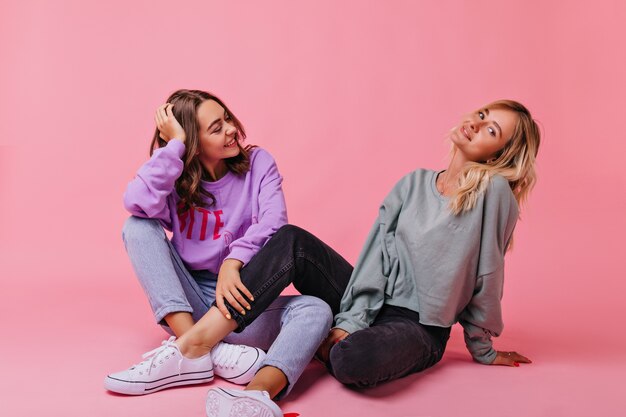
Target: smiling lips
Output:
[
  {"x": 231, "y": 143},
  {"x": 465, "y": 133}
]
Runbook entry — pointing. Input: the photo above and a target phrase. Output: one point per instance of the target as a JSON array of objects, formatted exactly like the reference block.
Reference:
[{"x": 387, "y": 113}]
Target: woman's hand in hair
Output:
[
  {"x": 230, "y": 288},
  {"x": 510, "y": 359},
  {"x": 335, "y": 336},
  {"x": 167, "y": 124}
]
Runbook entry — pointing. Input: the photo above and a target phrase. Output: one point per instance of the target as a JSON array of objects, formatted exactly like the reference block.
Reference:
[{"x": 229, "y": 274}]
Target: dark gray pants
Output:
[{"x": 395, "y": 345}]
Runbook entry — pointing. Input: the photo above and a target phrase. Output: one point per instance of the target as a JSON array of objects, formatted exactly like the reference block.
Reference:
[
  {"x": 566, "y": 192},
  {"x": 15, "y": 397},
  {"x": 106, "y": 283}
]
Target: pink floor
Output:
[{"x": 70, "y": 338}]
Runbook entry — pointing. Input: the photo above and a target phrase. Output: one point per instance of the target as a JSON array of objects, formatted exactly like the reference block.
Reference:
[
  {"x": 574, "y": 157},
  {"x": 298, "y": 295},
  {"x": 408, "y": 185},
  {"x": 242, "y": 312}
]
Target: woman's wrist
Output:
[
  {"x": 232, "y": 263},
  {"x": 178, "y": 138}
]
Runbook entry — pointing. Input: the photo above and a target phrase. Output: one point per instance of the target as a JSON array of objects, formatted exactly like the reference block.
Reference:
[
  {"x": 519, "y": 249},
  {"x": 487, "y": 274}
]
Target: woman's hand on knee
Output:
[
  {"x": 230, "y": 289},
  {"x": 168, "y": 126},
  {"x": 509, "y": 359},
  {"x": 336, "y": 335}
]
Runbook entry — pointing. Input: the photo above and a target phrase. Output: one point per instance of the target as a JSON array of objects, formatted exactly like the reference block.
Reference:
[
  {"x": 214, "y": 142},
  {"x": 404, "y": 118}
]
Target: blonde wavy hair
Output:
[{"x": 515, "y": 162}]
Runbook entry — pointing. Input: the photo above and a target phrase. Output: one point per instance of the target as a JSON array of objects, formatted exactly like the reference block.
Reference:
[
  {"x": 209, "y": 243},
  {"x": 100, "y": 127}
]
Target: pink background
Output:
[{"x": 348, "y": 96}]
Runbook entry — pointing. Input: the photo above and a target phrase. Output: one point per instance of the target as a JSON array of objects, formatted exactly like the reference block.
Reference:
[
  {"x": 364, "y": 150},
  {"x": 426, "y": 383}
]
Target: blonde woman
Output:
[{"x": 435, "y": 255}]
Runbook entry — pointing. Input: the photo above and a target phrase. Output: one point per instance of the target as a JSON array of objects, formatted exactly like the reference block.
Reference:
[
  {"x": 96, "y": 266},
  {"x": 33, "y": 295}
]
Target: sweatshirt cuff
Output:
[
  {"x": 348, "y": 325},
  {"x": 177, "y": 146},
  {"x": 487, "y": 358},
  {"x": 242, "y": 255}
]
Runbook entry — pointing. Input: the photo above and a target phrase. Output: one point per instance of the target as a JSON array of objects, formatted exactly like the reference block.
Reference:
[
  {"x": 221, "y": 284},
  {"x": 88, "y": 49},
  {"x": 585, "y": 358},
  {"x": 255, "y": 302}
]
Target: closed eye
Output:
[{"x": 227, "y": 119}]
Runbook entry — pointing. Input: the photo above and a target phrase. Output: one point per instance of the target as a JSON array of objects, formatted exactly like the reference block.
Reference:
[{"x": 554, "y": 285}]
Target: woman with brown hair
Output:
[{"x": 222, "y": 202}]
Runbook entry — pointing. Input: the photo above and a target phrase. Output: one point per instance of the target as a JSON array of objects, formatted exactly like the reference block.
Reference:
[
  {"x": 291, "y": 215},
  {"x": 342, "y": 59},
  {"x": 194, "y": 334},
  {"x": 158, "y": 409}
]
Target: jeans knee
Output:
[
  {"x": 347, "y": 366},
  {"x": 291, "y": 232},
  {"x": 135, "y": 228},
  {"x": 317, "y": 312}
]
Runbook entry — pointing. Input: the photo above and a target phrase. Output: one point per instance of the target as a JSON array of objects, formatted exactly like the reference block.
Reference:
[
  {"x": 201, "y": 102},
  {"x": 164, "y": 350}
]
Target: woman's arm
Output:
[
  {"x": 272, "y": 209},
  {"x": 482, "y": 317},
  {"x": 482, "y": 320},
  {"x": 365, "y": 294},
  {"x": 146, "y": 195}
]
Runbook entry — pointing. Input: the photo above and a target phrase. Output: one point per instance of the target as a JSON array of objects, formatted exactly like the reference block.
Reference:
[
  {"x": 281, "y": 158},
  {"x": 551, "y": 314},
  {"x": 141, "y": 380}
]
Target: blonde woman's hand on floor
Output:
[{"x": 510, "y": 359}]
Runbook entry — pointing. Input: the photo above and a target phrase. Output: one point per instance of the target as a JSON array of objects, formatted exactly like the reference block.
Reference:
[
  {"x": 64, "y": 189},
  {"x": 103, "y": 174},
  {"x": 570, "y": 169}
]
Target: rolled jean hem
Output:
[
  {"x": 160, "y": 314},
  {"x": 284, "y": 369}
]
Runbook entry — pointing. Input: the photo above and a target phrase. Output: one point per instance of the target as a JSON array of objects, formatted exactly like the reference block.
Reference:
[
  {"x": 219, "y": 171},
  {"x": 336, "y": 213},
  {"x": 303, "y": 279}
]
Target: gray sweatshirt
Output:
[{"x": 447, "y": 268}]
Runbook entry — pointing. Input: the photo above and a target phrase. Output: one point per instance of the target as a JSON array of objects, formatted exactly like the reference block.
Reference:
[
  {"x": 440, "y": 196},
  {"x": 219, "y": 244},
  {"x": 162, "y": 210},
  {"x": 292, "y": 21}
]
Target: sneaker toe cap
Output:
[{"x": 122, "y": 383}]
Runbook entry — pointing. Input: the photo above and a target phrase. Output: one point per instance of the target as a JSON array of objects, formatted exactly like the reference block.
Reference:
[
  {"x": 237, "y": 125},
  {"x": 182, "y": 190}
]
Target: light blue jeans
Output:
[{"x": 290, "y": 329}]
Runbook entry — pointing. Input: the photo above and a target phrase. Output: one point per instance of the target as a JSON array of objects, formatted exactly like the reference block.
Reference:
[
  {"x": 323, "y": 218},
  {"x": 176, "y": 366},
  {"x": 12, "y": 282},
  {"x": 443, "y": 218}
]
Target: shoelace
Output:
[
  {"x": 154, "y": 354},
  {"x": 226, "y": 355}
]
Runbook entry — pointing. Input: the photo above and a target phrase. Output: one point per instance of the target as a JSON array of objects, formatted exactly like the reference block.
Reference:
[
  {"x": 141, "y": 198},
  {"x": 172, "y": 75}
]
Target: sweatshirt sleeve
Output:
[
  {"x": 146, "y": 195},
  {"x": 482, "y": 317},
  {"x": 375, "y": 269},
  {"x": 272, "y": 209}
]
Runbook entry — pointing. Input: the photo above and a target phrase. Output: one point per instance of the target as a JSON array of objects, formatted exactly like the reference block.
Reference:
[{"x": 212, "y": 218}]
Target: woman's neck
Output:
[
  {"x": 448, "y": 181},
  {"x": 215, "y": 171}
]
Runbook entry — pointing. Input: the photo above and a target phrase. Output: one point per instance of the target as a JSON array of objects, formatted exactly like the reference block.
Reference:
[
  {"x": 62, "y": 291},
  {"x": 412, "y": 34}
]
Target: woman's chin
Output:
[{"x": 231, "y": 152}]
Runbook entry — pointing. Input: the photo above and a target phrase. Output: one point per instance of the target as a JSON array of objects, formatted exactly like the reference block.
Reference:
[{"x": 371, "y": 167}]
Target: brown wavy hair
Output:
[{"x": 188, "y": 186}]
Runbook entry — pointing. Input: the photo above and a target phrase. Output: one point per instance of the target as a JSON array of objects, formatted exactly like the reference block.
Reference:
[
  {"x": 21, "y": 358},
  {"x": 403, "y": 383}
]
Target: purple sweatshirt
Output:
[{"x": 248, "y": 209}]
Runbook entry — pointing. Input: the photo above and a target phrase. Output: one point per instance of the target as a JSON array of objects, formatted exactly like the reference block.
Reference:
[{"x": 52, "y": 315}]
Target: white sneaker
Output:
[
  {"x": 163, "y": 367},
  {"x": 222, "y": 402},
  {"x": 236, "y": 363}
]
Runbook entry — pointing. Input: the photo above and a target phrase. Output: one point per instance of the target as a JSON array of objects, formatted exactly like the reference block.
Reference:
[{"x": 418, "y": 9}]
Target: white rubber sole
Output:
[
  {"x": 148, "y": 387},
  {"x": 230, "y": 403}
]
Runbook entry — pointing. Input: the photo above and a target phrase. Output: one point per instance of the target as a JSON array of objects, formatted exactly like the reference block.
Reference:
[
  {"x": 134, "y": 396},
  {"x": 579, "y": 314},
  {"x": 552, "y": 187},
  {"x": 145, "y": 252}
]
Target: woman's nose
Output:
[
  {"x": 475, "y": 124},
  {"x": 230, "y": 129}
]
